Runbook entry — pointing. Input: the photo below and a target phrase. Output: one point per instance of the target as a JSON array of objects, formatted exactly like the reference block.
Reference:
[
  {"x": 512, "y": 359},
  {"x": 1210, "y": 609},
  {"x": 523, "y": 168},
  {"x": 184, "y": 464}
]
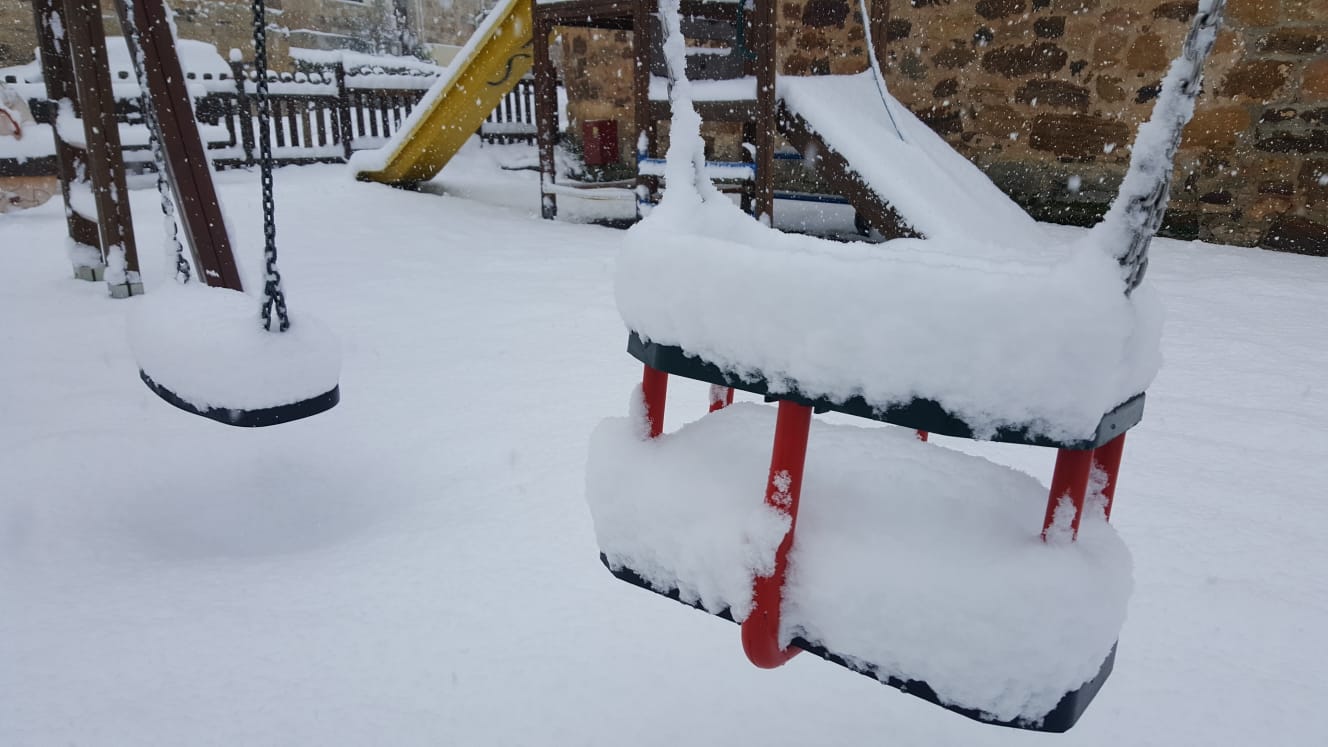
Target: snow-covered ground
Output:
[{"x": 418, "y": 567}]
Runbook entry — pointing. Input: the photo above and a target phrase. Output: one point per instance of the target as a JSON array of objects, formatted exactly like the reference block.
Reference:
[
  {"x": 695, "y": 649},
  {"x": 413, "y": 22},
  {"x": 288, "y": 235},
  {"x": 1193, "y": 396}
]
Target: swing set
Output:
[{"x": 203, "y": 351}]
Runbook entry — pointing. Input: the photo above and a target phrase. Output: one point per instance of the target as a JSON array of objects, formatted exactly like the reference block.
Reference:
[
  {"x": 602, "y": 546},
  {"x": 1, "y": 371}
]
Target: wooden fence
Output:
[{"x": 317, "y": 117}]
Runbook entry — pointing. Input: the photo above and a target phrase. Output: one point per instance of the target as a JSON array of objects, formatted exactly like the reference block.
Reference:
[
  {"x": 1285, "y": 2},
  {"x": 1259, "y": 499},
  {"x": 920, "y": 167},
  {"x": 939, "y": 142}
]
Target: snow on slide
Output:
[
  {"x": 481, "y": 74},
  {"x": 938, "y": 192},
  {"x": 915, "y": 558}
]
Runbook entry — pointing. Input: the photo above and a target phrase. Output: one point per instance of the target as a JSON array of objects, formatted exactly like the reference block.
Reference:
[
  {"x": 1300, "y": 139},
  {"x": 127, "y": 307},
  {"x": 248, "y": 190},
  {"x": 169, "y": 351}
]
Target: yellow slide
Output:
[{"x": 483, "y": 72}]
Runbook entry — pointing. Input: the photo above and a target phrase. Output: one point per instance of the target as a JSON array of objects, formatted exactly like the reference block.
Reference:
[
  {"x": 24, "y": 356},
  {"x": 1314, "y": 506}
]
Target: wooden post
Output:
[
  {"x": 546, "y": 116},
  {"x": 646, "y": 127},
  {"x": 86, "y": 40},
  {"x": 343, "y": 109},
  {"x": 878, "y": 13},
  {"x": 246, "y": 114},
  {"x": 187, "y": 168},
  {"x": 763, "y": 35},
  {"x": 58, "y": 73}
]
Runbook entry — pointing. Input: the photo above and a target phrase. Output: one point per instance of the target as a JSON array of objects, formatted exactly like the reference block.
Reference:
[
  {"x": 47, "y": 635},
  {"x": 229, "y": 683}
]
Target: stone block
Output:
[
  {"x": 1076, "y": 136},
  {"x": 1109, "y": 89},
  {"x": 1254, "y": 12},
  {"x": 1216, "y": 128},
  {"x": 1148, "y": 53},
  {"x": 955, "y": 56},
  {"x": 1054, "y": 93},
  {"x": 1025, "y": 59},
  {"x": 1108, "y": 48},
  {"x": 1303, "y": 10},
  {"x": 1179, "y": 10},
  {"x": 1049, "y": 28},
  {"x": 946, "y": 88},
  {"x": 999, "y": 121},
  {"x": 1260, "y": 80},
  {"x": 823, "y": 13},
  {"x": 992, "y": 9},
  {"x": 1294, "y": 233},
  {"x": 1295, "y": 41},
  {"x": 1312, "y": 181},
  {"x": 1314, "y": 81}
]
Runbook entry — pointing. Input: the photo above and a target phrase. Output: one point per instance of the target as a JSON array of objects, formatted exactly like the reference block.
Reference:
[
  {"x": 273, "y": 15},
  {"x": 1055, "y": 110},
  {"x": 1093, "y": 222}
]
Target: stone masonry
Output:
[{"x": 1045, "y": 96}]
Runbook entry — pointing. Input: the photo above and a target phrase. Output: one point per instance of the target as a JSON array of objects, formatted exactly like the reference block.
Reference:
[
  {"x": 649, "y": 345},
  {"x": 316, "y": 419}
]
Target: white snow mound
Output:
[
  {"x": 208, "y": 346},
  {"x": 921, "y": 560}
]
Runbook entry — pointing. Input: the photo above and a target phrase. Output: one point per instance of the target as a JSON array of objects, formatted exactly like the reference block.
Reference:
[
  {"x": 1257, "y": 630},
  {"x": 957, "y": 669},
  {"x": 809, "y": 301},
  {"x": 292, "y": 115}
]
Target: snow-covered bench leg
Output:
[
  {"x": 1107, "y": 459},
  {"x": 654, "y": 390},
  {"x": 760, "y": 631},
  {"x": 720, "y": 397},
  {"x": 1071, "y": 479}
]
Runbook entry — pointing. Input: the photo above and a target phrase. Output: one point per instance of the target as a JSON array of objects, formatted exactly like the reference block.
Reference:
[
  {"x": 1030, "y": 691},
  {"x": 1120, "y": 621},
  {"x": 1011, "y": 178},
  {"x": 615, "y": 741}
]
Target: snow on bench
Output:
[
  {"x": 1043, "y": 336},
  {"x": 917, "y": 559}
]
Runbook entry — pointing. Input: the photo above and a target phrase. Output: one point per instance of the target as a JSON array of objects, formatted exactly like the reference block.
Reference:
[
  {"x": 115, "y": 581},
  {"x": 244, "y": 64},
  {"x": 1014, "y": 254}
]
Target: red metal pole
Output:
[
  {"x": 760, "y": 631},
  {"x": 922, "y": 436},
  {"x": 655, "y": 389},
  {"x": 1107, "y": 458},
  {"x": 1069, "y": 479},
  {"x": 720, "y": 397}
]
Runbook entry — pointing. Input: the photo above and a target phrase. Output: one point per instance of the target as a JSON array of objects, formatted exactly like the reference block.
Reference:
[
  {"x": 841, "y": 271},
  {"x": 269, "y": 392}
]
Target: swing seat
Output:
[
  {"x": 204, "y": 350},
  {"x": 913, "y": 564}
]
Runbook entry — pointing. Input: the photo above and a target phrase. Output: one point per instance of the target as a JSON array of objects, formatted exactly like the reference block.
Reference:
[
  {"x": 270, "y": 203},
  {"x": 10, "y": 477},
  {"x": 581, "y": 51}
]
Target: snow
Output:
[
  {"x": 351, "y": 59},
  {"x": 946, "y": 196},
  {"x": 209, "y": 348},
  {"x": 418, "y": 565},
  {"x": 986, "y": 613}
]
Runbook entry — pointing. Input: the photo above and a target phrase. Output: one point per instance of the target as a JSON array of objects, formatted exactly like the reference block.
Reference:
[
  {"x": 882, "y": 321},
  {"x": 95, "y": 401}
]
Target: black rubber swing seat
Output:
[
  {"x": 1060, "y": 719},
  {"x": 920, "y": 414},
  {"x": 250, "y": 418}
]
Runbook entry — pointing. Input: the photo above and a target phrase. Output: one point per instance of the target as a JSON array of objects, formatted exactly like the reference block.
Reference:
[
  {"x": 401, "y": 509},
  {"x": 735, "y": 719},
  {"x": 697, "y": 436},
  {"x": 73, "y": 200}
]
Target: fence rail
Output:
[{"x": 317, "y": 117}]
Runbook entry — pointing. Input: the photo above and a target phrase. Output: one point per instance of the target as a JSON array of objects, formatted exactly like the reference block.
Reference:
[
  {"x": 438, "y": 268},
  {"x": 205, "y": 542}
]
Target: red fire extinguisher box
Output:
[{"x": 599, "y": 138}]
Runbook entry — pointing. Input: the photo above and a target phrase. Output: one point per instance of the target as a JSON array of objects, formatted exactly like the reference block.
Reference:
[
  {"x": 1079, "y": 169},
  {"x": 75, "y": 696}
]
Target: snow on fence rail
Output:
[{"x": 318, "y": 116}]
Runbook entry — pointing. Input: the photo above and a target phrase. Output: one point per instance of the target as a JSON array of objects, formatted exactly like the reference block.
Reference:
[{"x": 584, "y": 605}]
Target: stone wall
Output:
[{"x": 1045, "y": 96}]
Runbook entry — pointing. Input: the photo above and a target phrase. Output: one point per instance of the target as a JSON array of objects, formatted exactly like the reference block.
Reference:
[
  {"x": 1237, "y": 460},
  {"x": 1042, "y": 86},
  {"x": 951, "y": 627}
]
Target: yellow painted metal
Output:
[{"x": 490, "y": 69}]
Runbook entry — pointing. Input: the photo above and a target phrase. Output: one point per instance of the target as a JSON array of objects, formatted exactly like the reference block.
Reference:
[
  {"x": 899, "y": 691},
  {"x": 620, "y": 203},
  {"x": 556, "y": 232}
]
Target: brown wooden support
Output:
[
  {"x": 878, "y": 14},
  {"x": 546, "y": 116},
  {"x": 187, "y": 167},
  {"x": 646, "y": 126},
  {"x": 343, "y": 110},
  {"x": 58, "y": 74},
  {"x": 86, "y": 39},
  {"x": 246, "y": 112},
  {"x": 763, "y": 37}
]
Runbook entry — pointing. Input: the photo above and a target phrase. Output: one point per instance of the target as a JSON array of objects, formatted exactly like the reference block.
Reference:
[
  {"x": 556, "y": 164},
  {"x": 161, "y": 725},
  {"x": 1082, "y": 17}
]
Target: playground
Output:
[{"x": 468, "y": 449}]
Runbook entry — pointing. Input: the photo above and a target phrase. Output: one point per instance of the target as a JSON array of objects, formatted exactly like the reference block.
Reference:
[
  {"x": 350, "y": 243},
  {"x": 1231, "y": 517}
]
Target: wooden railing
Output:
[{"x": 317, "y": 117}]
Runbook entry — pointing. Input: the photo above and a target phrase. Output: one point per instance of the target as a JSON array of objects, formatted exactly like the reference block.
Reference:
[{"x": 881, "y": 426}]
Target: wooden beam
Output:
[
  {"x": 546, "y": 116},
  {"x": 187, "y": 168},
  {"x": 86, "y": 40},
  {"x": 58, "y": 74},
  {"x": 647, "y": 127},
  {"x": 878, "y": 14},
  {"x": 763, "y": 38}
]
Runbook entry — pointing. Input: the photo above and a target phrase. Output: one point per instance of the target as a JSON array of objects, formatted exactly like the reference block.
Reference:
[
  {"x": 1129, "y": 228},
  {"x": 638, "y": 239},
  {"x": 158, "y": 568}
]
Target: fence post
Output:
[
  {"x": 242, "y": 107},
  {"x": 343, "y": 108}
]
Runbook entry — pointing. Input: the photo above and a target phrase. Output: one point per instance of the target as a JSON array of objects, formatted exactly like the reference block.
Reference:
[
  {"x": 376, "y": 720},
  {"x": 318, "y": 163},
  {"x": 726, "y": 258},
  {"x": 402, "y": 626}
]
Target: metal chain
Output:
[
  {"x": 1145, "y": 210},
  {"x": 183, "y": 272},
  {"x": 273, "y": 295}
]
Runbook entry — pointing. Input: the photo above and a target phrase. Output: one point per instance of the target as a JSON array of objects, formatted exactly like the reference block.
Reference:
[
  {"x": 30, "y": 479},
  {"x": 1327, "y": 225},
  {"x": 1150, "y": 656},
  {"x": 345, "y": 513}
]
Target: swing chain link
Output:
[
  {"x": 1148, "y": 209},
  {"x": 274, "y": 296},
  {"x": 183, "y": 274}
]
